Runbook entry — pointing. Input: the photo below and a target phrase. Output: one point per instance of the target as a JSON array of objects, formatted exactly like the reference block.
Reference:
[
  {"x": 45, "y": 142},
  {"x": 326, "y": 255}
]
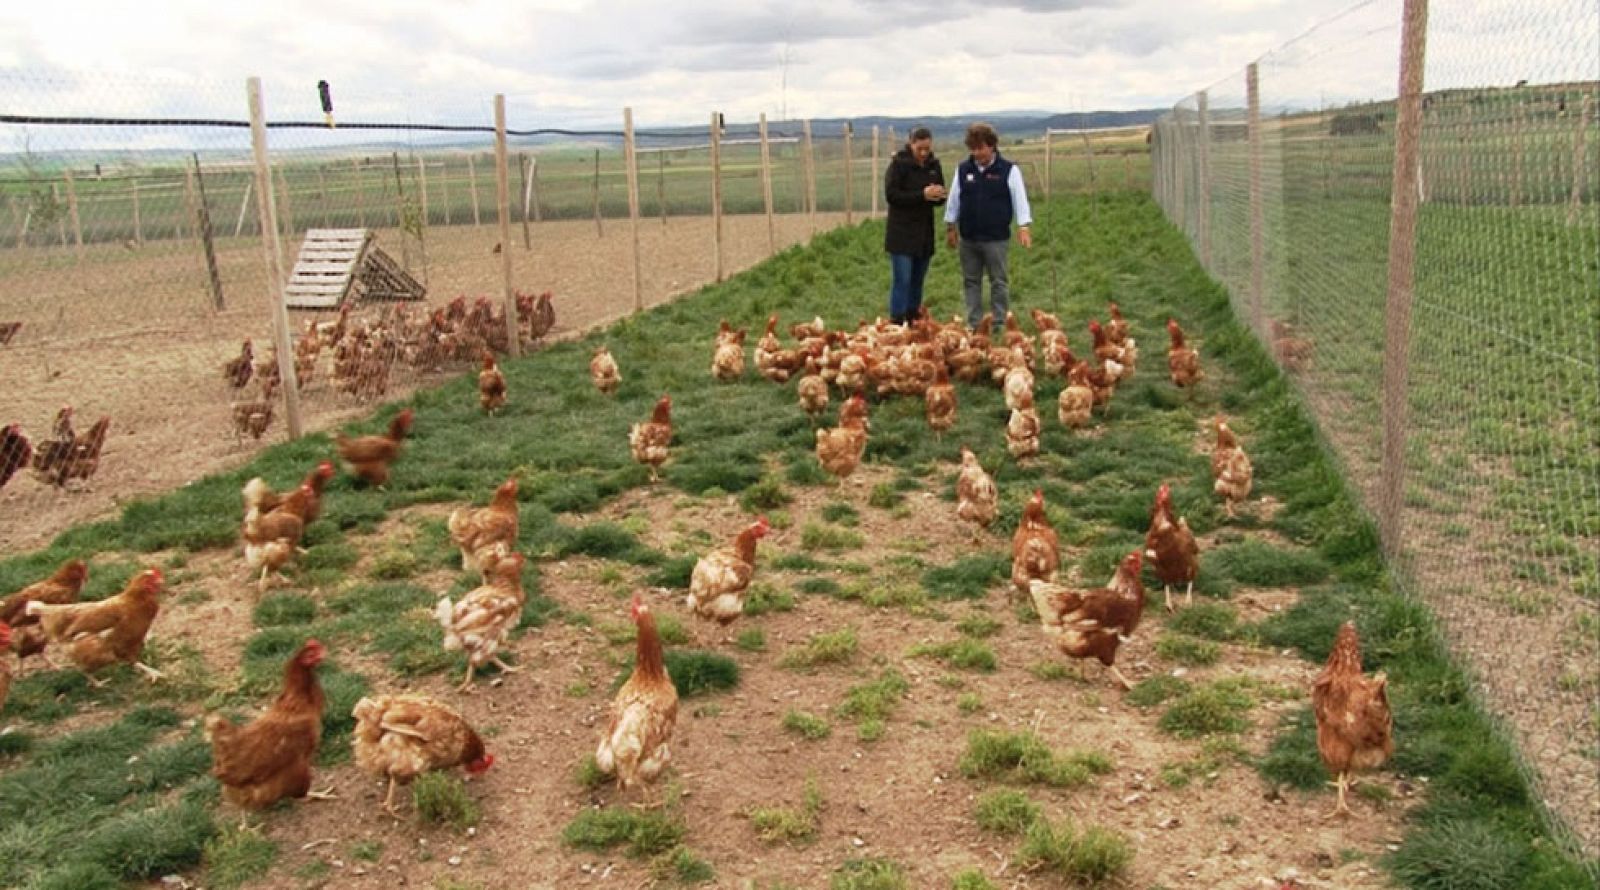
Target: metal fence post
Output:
[{"x": 1204, "y": 215}]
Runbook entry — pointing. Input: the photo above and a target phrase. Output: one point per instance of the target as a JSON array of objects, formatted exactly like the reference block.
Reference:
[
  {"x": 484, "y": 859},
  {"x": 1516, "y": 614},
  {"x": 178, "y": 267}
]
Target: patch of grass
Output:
[
  {"x": 807, "y": 726},
  {"x": 819, "y": 586},
  {"x": 1092, "y": 857},
  {"x": 139, "y": 845},
  {"x": 835, "y": 647},
  {"x": 871, "y": 703},
  {"x": 1217, "y": 707},
  {"x": 1210, "y": 621},
  {"x": 885, "y": 496},
  {"x": 1188, "y": 650},
  {"x": 682, "y": 865},
  {"x": 1260, "y": 564},
  {"x": 608, "y": 540},
  {"x": 366, "y": 851},
  {"x": 394, "y": 563},
  {"x": 284, "y": 609},
  {"x": 970, "y": 655},
  {"x": 967, "y": 578},
  {"x": 1024, "y": 757},
  {"x": 442, "y": 799},
  {"x": 588, "y": 773},
  {"x": 1157, "y": 689},
  {"x": 841, "y": 513},
  {"x": 764, "y": 598},
  {"x": 674, "y": 573},
  {"x": 798, "y": 562},
  {"x": 237, "y": 856},
  {"x": 768, "y": 494},
  {"x": 644, "y": 832},
  {"x": 827, "y": 538},
  {"x": 1049, "y": 670},
  {"x": 1292, "y": 758},
  {"x": 978, "y": 625},
  {"x": 790, "y": 824},
  {"x": 870, "y": 874},
  {"x": 1005, "y": 811},
  {"x": 969, "y": 703},
  {"x": 972, "y": 879},
  {"x": 751, "y": 639},
  {"x": 872, "y": 730}
]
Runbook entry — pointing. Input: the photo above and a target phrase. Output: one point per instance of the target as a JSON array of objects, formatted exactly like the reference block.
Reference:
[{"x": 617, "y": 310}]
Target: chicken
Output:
[
  {"x": 649, "y": 440},
  {"x": 604, "y": 372},
  {"x": 476, "y": 530},
  {"x": 237, "y": 370},
  {"x": 1107, "y": 354},
  {"x": 1076, "y": 401},
  {"x": 839, "y": 450},
  {"x": 16, "y": 452},
  {"x": 64, "y": 586},
  {"x": 49, "y": 456},
  {"x": 635, "y": 747},
  {"x": 727, "y": 361},
  {"x": 813, "y": 390},
  {"x": 940, "y": 402},
  {"x": 543, "y": 319},
  {"x": 977, "y": 499},
  {"x": 1171, "y": 548},
  {"x": 1355, "y": 729},
  {"x": 1018, "y": 381},
  {"x": 720, "y": 579},
  {"x": 1183, "y": 362},
  {"x": 269, "y": 759},
  {"x": 1117, "y": 327},
  {"x": 369, "y": 457},
  {"x": 1035, "y": 551},
  {"x": 102, "y": 633},
  {"x": 252, "y": 418},
  {"x": 768, "y": 347},
  {"x": 816, "y": 327},
  {"x": 491, "y": 385},
  {"x": 1093, "y": 623},
  {"x": 485, "y": 615},
  {"x": 1022, "y": 430},
  {"x": 1230, "y": 467},
  {"x": 83, "y": 459},
  {"x": 1293, "y": 353},
  {"x": 5, "y": 664},
  {"x": 260, "y": 496},
  {"x": 400, "y": 737},
  {"x": 272, "y": 538}
]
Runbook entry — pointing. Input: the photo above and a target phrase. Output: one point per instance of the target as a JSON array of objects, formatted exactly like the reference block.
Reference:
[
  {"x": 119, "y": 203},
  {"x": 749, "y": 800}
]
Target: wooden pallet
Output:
[{"x": 334, "y": 263}]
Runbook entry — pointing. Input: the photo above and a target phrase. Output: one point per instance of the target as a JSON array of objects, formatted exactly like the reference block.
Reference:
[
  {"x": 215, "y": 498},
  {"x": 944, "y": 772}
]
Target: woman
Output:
[{"x": 913, "y": 186}]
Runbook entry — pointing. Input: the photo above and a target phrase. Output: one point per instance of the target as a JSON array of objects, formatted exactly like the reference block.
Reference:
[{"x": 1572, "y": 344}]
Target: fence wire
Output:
[{"x": 1501, "y": 519}]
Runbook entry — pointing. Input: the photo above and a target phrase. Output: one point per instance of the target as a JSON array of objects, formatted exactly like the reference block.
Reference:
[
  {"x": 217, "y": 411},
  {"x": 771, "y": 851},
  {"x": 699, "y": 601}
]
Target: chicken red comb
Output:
[{"x": 481, "y": 765}]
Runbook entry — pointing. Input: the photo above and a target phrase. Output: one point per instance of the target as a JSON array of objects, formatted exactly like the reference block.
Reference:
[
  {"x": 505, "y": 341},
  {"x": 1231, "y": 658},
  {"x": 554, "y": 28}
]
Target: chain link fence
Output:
[{"x": 1281, "y": 175}]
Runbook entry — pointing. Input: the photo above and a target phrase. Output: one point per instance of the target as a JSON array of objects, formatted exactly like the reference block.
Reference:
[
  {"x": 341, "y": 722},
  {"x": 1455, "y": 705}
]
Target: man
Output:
[
  {"x": 913, "y": 185},
  {"x": 987, "y": 196}
]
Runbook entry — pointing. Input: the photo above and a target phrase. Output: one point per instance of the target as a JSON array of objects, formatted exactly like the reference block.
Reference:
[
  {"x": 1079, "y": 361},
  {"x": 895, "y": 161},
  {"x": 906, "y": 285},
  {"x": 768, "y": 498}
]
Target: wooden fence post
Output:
[
  {"x": 472, "y": 185},
  {"x": 811, "y": 178},
  {"x": 527, "y": 192},
  {"x": 631, "y": 157},
  {"x": 1205, "y": 180},
  {"x": 1047, "y": 175},
  {"x": 244, "y": 204},
  {"x": 1402, "y": 258},
  {"x": 716, "y": 193},
  {"x": 1580, "y": 157},
  {"x": 594, "y": 192},
  {"x": 766, "y": 186},
  {"x": 502, "y": 197},
  {"x": 268, "y": 212},
  {"x": 1258, "y": 253},
  {"x": 72, "y": 210},
  {"x": 875, "y": 172},
  {"x": 849, "y": 178},
  {"x": 399, "y": 211},
  {"x": 533, "y": 191},
  {"x": 202, "y": 228}
]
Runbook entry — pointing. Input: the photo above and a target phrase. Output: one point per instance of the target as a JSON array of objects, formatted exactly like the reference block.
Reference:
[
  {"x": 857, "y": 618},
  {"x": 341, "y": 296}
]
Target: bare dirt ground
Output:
[
  {"x": 902, "y": 797},
  {"x": 134, "y": 334}
]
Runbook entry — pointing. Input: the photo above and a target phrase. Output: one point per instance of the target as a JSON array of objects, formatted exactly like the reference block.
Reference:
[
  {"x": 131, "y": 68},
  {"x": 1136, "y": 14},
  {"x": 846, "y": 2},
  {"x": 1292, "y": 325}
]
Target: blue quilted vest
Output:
[{"x": 985, "y": 212}]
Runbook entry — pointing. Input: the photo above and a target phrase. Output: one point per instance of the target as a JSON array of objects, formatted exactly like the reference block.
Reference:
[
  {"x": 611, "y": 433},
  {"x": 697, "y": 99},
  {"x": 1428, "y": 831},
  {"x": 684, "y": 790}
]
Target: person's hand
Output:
[
  {"x": 933, "y": 192},
  {"x": 1024, "y": 236},
  {"x": 950, "y": 238}
]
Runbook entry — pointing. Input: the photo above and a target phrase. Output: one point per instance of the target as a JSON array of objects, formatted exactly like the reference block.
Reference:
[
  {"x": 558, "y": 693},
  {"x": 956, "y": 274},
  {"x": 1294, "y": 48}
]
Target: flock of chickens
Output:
[
  {"x": 401, "y": 736},
  {"x": 365, "y": 350},
  {"x": 65, "y": 456}
]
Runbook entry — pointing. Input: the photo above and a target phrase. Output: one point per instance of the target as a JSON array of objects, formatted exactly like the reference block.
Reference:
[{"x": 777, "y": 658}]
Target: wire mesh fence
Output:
[
  {"x": 1282, "y": 176},
  {"x": 134, "y": 277}
]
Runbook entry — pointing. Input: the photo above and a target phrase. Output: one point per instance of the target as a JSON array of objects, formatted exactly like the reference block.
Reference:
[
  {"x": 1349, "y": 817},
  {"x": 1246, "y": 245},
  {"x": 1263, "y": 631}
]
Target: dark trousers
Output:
[
  {"x": 978, "y": 257},
  {"x": 905, "y": 292}
]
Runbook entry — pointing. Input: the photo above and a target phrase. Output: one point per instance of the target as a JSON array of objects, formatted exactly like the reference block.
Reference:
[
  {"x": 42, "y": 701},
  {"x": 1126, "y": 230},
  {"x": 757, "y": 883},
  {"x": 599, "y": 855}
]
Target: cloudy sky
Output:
[{"x": 577, "y": 62}]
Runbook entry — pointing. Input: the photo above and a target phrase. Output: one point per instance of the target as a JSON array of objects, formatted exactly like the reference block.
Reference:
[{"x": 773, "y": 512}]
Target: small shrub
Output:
[
  {"x": 870, "y": 874},
  {"x": 1464, "y": 854},
  {"x": 1188, "y": 650},
  {"x": 1092, "y": 857},
  {"x": 826, "y": 648},
  {"x": 673, "y": 573},
  {"x": 818, "y": 586},
  {"x": 682, "y": 865},
  {"x": 697, "y": 672},
  {"x": 806, "y": 725},
  {"x": 871, "y": 730},
  {"x": 237, "y": 856},
  {"x": 393, "y": 565},
  {"x": 442, "y": 799},
  {"x": 1005, "y": 812}
]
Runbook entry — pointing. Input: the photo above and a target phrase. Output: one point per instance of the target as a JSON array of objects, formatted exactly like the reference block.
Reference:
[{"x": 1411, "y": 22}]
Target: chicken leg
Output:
[
  {"x": 1341, "y": 810},
  {"x": 388, "y": 799},
  {"x": 1120, "y": 679},
  {"x": 503, "y": 666},
  {"x": 150, "y": 673},
  {"x": 1166, "y": 591},
  {"x": 466, "y": 684}
]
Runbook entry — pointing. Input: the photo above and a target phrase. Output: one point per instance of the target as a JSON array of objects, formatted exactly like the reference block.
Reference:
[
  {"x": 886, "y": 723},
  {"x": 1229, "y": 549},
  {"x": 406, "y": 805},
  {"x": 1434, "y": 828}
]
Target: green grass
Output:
[
  {"x": 1090, "y": 857},
  {"x": 751, "y": 639},
  {"x": 876, "y": 700},
  {"x": 1218, "y": 707},
  {"x": 643, "y": 833},
  {"x": 807, "y": 726},
  {"x": 967, "y": 578},
  {"x": 1004, "y": 811},
  {"x": 682, "y": 865},
  {"x": 971, "y": 655},
  {"x": 236, "y": 857},
  {"x": 829, "y": 539},
  {"x": 1188, "y": 650},
  {"x": 694, "y": 672},
  {"x": 978, "y": 625},
  {"x": 1024, "y": 757},
  {"x": 1156, "y": 690},
  {"x": 1210, "y": 621},
  {"x": 870, "y": 874},
  {"x": 832, "y": 647},
  {"x": 443, "y": 799},
  {"x": 972, "y": 879},
  {"x": 787, "y": 825}
]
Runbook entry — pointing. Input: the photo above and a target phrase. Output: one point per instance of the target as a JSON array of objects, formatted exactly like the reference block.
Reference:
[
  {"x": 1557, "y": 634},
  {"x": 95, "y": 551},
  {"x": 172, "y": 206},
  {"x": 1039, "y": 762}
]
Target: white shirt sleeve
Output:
[
  {"x": 1019, "y": 197},
  {"x": 952, "y": 203}
]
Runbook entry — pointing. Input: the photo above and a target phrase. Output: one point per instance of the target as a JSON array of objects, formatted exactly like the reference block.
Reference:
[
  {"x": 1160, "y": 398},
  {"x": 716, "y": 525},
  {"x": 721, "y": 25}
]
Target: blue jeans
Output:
[
  {"x": 905, "y": 293},
  {"x": 978, "y": 257}
]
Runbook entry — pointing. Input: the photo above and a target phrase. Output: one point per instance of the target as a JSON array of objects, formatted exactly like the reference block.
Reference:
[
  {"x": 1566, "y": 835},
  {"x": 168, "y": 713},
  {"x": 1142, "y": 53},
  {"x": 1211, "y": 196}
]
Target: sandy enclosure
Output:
[{"x": 133, "y": 333}]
